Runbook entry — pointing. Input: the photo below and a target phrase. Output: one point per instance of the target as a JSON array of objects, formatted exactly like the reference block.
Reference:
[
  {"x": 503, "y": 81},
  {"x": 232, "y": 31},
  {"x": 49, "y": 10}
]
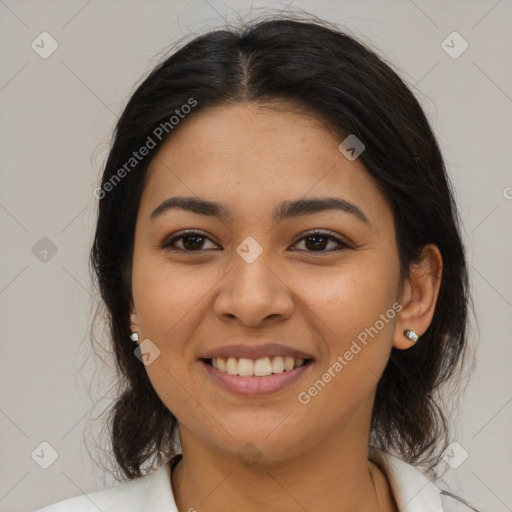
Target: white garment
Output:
[{"x": 412, "y": 490}]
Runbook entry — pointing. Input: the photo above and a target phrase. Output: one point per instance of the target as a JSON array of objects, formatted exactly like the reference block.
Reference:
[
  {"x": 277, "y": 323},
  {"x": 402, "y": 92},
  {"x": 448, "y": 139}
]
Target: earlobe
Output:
[
  {"x": 419, "y": 297},
  {"x": 134, "y": 319},
  {"x": 134, "y": 326}
]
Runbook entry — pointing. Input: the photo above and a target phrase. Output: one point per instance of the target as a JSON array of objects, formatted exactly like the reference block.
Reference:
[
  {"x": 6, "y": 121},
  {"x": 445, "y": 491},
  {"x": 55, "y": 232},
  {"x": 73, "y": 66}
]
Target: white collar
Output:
[{"x": 412, "y": 490}]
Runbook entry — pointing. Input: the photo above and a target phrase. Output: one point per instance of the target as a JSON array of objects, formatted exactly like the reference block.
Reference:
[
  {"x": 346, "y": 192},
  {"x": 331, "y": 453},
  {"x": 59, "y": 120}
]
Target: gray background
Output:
[{"x": 56, "y": 122}]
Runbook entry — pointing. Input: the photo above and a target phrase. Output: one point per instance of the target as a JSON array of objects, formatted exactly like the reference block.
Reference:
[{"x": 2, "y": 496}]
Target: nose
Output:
[{"x": 254, "y": 293}]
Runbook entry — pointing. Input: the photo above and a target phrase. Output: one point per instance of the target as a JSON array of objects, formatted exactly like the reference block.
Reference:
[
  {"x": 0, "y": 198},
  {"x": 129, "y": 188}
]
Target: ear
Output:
[
  {"x": 419, "y": 296},
  {"x": 134, "y": 320}
]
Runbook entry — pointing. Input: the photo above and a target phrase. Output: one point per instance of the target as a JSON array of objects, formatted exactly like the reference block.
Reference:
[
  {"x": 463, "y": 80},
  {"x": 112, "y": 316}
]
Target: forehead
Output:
[{"x": 256, "y": 157}]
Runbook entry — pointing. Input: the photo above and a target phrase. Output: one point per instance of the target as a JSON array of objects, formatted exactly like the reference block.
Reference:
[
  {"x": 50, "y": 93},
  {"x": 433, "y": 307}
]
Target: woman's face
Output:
[{"x": 259, "y": 276}]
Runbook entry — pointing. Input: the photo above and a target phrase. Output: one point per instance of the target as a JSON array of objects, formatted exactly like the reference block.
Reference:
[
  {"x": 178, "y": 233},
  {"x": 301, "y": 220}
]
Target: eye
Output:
[
  {"x": 194, "y": 241},
  {"x": 318, "y": 240}
]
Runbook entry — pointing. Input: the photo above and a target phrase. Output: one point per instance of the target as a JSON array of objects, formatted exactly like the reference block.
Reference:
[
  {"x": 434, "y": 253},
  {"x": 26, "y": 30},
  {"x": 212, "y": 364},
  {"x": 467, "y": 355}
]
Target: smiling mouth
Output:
[{"x": 261, "y": 367}]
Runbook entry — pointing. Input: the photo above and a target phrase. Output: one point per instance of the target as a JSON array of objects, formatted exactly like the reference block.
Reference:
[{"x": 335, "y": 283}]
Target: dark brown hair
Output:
[{"x": 312, "y": 64}]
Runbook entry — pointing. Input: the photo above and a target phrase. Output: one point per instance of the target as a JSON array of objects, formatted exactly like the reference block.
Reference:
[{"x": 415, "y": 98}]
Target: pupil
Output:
[
  {"x": 195, "y": 244},
  {"x": 316, "y": 245}
]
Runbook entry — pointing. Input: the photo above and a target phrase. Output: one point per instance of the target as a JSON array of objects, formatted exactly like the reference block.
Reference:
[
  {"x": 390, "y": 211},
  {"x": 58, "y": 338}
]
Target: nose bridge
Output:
[
  {"x": 253, "y": 264},
  {"x": 253, "y": 289}
]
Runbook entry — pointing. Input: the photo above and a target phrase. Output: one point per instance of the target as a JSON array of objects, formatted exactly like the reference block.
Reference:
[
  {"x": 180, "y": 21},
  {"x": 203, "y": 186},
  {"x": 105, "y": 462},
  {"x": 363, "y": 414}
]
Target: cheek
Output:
[
  {"x": 167, "y": 318},
  {"x": 167, "y": 295},
  {"x": 351, "y": 298},
  {"x": 171, "y": 304},
  {"x": 356, "y": 344},
  {"x": 353, "y": 309}
]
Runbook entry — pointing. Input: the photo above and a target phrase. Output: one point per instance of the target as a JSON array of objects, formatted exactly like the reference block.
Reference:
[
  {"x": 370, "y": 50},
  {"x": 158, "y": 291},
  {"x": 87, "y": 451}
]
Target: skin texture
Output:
[{"x": 312, "y": 456}]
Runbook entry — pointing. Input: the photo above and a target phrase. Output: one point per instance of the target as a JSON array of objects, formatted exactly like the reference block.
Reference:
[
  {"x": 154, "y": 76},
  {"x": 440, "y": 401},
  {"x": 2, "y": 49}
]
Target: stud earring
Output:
[
  {"x": 134, "y": 336},
  {"x": 411, "y": 335}
]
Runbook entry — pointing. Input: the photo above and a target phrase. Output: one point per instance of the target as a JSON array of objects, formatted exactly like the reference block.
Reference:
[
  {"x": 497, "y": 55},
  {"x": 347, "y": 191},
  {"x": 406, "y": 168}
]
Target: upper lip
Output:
[{"x": 254, "y": 351}]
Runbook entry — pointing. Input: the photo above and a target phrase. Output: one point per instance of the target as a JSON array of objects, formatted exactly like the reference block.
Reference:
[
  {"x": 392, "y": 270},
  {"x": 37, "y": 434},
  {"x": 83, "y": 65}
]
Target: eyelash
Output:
[{"x": 168, "y": 244}]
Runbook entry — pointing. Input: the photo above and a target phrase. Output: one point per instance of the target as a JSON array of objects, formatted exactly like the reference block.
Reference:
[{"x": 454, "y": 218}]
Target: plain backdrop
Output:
[{"x": 57, "y": 116}]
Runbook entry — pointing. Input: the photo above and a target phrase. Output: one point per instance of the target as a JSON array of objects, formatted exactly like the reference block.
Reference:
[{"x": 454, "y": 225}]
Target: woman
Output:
[{"x": 279, "y": 252}]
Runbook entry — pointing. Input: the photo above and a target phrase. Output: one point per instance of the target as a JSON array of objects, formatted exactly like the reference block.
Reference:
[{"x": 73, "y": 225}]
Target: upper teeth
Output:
[{"x": 259, "y": 367}]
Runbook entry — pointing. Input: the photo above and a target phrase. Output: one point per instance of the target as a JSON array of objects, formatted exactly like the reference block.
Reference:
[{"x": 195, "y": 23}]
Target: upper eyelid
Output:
[{"x": 190, "y": 232}]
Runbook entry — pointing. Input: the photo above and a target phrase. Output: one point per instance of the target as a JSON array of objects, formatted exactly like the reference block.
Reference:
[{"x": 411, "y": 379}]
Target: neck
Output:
[{"x": 332, "y": 476}]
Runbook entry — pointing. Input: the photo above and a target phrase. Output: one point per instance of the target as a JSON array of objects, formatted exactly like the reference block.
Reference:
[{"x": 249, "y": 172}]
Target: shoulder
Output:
[
  {"x": 413, "y": 490},
  {"x": 147, "y": 493}
]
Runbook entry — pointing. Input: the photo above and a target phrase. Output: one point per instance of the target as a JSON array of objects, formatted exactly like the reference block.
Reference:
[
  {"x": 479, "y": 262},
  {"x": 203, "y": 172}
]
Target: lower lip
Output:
[{"x": 256, "y": 386}]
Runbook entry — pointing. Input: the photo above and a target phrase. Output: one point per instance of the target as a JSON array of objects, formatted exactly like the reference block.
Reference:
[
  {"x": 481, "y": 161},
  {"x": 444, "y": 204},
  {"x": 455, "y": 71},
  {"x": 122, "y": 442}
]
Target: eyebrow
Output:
[{"x": 285, "y": 210}]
